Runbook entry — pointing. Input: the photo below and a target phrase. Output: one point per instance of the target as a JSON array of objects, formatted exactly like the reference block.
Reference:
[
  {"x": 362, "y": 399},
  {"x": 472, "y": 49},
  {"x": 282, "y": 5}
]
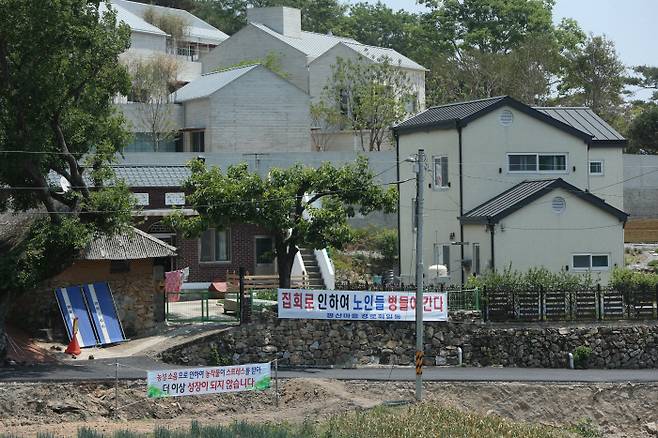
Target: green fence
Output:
[
  {"x": 463, "y": 299},
  {"x": 201, "y": 306}
]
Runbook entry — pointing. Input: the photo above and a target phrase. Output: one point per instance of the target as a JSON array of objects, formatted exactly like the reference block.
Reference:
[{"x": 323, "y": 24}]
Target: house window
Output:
[
  {"x": 595, "y": 262},
  {"x": 596, "y": 167},
  {"x": 344, "y": 102},
  {"x": 215, "y": 246},
  {"x": 411, "y": 105},
  {"x": 198, "y": 141},
  {"x": 476, "y": 258},
  {"x": 533, "y": 163},
  {"x": 440, "y": 173}
]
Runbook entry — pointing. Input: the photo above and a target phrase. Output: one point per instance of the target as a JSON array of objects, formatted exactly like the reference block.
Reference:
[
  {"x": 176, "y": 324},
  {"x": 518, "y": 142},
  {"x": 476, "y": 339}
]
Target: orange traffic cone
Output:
[{"x": 74, "y": 346}]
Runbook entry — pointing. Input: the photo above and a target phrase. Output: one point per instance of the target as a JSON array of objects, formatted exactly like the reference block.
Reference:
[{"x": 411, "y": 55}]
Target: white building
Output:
[
  {"x": 513, "y": 185},
  {"x": 306, "y": 57}
]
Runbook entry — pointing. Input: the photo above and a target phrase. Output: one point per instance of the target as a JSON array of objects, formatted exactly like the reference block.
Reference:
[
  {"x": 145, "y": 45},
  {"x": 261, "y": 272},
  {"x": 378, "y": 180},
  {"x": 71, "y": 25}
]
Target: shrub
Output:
[
  {"x": 216, "y": 358},
  {"x": 581, "y": 357},
  {"x": 626, "y": 279},
  {"x": 533, "y": 279}
]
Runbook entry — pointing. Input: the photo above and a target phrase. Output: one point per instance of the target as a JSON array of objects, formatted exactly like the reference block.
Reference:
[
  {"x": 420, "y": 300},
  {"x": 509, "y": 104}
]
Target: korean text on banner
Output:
[
  {"x": 360, "y": 305},
  {"x": 208, "y": 380}
]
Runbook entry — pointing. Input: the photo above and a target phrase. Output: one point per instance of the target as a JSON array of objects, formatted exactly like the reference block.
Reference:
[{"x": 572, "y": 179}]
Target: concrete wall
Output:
[
  {"x": 284, "y": 20},
  {"x": 609, "y": 186},
  {"x": 148, "y": 41},
  {"x": 258, "y": 112},
  {"x": 641, "y": 185},
  {"x": 253, "y": 44},
  {"x": 134, "y": 113}
]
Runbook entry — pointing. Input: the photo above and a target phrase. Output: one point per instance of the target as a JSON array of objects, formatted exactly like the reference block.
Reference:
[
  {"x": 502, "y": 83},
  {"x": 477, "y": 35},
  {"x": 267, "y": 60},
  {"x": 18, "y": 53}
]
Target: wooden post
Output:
[{"x": 241, "y": 294}]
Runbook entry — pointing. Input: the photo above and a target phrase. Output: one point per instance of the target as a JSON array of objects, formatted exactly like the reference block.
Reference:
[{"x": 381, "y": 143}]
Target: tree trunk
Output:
[{"x": 285, "y": 269}]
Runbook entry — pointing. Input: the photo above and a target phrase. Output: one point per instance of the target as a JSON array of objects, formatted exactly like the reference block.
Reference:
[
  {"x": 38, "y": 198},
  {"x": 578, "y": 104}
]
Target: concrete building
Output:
[
  {"x": 513, "y": 185},
  {"x": 306, "y": 57}
]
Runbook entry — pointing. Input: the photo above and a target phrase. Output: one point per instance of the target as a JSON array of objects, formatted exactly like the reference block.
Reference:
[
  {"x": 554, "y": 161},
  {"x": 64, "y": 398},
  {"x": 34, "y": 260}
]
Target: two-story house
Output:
[
  {"x": 512, "y": 185},
  {"x": 307, "y": 58}
]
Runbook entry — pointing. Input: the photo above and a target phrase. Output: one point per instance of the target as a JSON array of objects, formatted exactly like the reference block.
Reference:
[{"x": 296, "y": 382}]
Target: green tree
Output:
[
  {"x": 299, "y": 206},
  {"x": 648, "y": 79},
  {"x": 60, "y": 71},
  {"x": 594, "y": 77},
  {"x": 643, "y": 130},
  {"x": 370, "y": 95}
]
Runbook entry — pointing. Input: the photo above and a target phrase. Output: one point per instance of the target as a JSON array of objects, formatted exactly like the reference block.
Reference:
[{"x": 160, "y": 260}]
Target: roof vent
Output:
[
  {"x": 558, "y": 204},
  {"x": 506, "y": 118}
]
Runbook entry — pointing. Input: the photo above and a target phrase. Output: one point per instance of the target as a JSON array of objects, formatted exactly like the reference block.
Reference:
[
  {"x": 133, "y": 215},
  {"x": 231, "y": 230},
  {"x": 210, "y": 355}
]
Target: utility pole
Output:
[{"x": 420, "y": 183}]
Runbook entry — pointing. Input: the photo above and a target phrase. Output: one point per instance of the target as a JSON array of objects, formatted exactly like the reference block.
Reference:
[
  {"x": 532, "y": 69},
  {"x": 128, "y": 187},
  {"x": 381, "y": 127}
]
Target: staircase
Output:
[{"x": 315, "y": 280}]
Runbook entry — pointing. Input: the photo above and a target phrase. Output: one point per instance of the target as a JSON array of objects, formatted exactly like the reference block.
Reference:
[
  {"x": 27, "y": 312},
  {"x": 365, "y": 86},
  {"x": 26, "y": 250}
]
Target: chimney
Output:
[{"x": 282, "y": 19}]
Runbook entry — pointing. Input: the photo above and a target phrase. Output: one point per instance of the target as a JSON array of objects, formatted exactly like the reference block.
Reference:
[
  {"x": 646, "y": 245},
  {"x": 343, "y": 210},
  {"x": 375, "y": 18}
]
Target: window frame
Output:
[
  {"x": 601, "y": 173},
  {"x": 537, "y": 157},
  {"x": 438, "y": 159},
  {"x": 214, "y": 260},
  {"x": 202, "y": 133},
  {"x": 590, "y": 267}
]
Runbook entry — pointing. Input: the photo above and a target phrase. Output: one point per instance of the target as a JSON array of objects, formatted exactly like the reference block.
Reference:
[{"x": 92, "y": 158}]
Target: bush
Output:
[
  {"x": 626, "y": 279},
  {"x": 581, "y": 357},
  {"x": 534, "y": 279},
  {"x": 216, "y": 358}
]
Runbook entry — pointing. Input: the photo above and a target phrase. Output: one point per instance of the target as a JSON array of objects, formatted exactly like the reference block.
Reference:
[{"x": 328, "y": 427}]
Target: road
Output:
[{"x": 136, "y": 367}]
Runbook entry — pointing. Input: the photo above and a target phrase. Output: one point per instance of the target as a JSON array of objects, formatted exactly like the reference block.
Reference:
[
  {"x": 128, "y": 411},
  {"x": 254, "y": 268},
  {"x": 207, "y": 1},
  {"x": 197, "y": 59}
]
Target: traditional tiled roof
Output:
[
  {"x": 586, "y": 120},
  {"x": 525, "y": 193},
  {"x": 210, "y": 83},
  {"x": 152, "y": 176},
  {"x": 134, "y": 244}
]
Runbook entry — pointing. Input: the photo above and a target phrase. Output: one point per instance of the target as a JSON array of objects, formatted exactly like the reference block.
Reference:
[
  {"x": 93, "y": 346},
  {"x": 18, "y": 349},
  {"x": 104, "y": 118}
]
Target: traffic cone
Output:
[{"x": 74, "y": 346}]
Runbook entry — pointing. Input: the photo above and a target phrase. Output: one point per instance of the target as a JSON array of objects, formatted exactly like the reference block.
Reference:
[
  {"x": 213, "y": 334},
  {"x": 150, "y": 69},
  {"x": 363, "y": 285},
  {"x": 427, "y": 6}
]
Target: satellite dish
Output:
[{"x": 65, "y": 184}]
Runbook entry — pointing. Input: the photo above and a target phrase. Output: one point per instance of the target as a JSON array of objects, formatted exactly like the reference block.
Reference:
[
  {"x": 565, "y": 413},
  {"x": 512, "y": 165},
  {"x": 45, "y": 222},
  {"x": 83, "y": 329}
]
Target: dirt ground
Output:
[{"x": 619, "y": 410}]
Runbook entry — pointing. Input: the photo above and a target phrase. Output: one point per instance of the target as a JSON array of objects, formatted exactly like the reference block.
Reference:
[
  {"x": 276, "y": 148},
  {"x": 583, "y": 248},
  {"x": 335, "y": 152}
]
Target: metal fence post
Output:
[
  {"x": 485, "y": 304},
  {"x": 599, "y": 302},
  {"x": 542, "y": 303},
  {"x": 241, "y": 273}
]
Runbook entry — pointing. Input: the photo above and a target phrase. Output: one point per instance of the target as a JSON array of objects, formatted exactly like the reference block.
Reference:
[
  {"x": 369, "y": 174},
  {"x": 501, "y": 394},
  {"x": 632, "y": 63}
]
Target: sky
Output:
[{"x": 631, "y": 24}]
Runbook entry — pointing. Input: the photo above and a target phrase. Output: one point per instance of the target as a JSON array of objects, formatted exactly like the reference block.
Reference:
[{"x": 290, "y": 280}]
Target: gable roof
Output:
[
  {"x": 314, "y": 45},
  {"x": 506, "y": 203},
  {"x": 197, "y": 29},
  {"x": 210, "y": 83},
  {"x": 135, "y": 22},
  {"x": 461, "y": 114},
  {"x": 586, "y": 120},
  {"x": 133, "y": 244}
]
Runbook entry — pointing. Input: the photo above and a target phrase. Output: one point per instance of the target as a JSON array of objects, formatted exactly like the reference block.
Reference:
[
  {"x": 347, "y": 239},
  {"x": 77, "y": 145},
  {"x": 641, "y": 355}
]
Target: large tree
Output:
[
  {"x": 299, "y": 206},
  {"x": 368, "y": 97},
  {"x": 60, "y": 70}
]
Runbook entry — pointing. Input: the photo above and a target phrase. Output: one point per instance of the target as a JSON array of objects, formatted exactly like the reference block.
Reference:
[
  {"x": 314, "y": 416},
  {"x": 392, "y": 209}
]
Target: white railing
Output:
[{"x": 323, "y": 259}]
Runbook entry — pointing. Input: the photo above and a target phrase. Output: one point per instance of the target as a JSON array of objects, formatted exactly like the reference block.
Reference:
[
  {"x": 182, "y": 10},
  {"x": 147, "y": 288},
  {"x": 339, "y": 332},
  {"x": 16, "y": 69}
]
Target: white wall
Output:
[
  {"x": 608, "y": 186},
  {"x": 537, "y": 236},
  {"x": 133, "y": 113},
  {"x": 253, "y": 44},
  {"x": 148, "y": 41},
  {"x": 259, "y": 112}
]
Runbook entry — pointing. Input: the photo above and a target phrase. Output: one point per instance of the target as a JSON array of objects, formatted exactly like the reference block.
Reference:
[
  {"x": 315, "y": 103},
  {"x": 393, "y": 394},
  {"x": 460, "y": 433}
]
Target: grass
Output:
[{"x": 421, "y": 420}]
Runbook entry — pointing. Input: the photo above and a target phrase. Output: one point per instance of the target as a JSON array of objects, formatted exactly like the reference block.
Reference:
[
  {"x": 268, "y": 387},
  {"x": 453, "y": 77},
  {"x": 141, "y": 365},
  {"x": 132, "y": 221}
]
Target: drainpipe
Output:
[
  {"x": 493, "y": 260},
  {"x": 461, "y": 202}
]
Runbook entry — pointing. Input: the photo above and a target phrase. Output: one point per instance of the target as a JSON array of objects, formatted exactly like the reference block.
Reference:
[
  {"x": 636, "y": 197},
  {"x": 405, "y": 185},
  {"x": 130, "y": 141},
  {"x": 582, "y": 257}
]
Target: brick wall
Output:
[{"x": 242, "y": 255}]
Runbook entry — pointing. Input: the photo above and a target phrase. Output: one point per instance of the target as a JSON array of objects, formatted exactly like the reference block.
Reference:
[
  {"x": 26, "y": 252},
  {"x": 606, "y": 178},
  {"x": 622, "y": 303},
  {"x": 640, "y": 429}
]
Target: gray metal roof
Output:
[
  {"x": 152, "y": 176},
  {"x": 136, "y": 23},
  {"x": 196, "y": 29},
  {"x": 444, "y": 114},
  {"x": 134, "y": 244},
  {"x": 210, "y": 83},
  {"x": 525, "y": 193},
  {"x": 586, "y": 120},
  {"x": 315, "y": 45}
]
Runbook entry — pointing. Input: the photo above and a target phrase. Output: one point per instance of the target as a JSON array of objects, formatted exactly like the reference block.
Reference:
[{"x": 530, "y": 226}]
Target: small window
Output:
[
  {"x": 600, "y": 261},
  {"x": 411, "y": 105},
  {"x": 522, "y": 163},
  {"x": 596, "y": 167},
  {"x": 558, "y": 204},
  {"x": 552, "y": 163},
  {"x": 581, "y": 261},
  {"x": 595, "y": 262},
  {"x": 198, "y": 141},
  {"x": 214, "y": 246},
  {"x": 441, "y": 180},
  {"x": 344, "y": 102}
]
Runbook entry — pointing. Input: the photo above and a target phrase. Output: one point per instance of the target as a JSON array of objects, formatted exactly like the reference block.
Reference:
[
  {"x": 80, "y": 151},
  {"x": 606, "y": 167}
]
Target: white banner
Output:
[
  {"x": 208, "y": 380},
  {"x": 360, "y": 305}
]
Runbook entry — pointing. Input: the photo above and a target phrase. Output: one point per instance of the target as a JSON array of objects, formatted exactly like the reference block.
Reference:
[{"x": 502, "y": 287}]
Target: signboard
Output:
[
  {"x": 208, "y": 380},
  {"x": 175, "y": 198},
  {"x": 360, "y": 305}
]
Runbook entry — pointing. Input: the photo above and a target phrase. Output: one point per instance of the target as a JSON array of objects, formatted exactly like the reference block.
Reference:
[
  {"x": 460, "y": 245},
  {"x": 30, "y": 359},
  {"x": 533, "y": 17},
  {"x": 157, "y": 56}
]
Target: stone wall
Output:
[
  {"x": 346, "y": 343},
  {"x": 134, "y": 293}
]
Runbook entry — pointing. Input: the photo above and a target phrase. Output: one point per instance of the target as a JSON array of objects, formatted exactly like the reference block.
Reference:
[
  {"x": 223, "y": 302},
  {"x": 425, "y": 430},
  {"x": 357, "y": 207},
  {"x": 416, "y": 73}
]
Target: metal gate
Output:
[{"x": 201, "y": 306}]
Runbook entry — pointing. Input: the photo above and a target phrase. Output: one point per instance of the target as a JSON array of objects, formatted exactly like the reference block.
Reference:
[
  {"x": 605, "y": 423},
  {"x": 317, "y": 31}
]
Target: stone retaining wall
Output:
[{"x": 346, "y": 343}]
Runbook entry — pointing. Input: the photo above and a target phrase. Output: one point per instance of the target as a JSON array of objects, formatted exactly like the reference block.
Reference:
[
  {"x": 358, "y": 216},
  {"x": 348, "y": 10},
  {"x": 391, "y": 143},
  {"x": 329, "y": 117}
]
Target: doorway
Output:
[{"x": 265, "y": 264}]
